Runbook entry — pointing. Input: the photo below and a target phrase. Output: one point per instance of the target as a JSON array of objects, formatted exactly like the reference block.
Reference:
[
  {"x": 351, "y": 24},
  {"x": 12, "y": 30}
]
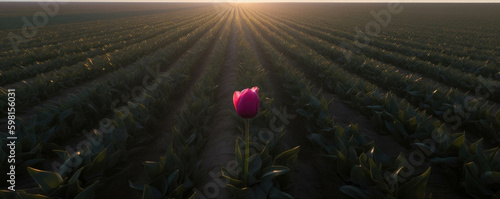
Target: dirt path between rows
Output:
[{"x": 219, "y": 148}]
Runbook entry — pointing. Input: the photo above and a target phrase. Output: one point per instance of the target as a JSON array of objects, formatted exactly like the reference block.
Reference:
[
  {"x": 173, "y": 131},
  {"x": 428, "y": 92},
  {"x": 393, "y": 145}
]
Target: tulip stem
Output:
[{"x": 247, "y": 150}]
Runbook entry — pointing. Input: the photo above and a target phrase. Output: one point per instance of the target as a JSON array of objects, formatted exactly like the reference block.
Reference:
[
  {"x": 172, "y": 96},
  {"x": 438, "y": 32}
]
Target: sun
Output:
[{"x": 239, "y": 1}]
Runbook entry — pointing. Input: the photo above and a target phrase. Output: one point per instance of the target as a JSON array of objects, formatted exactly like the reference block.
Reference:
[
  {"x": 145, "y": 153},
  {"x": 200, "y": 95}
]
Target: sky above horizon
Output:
[{"x": 249, "y": 1}]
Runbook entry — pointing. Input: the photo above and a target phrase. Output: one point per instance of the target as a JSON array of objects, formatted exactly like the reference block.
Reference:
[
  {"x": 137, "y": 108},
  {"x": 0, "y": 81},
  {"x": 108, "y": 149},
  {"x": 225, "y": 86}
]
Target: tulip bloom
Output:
[
  {"x": 247, "y": 105},
  {"x": 247, "y": 102}
]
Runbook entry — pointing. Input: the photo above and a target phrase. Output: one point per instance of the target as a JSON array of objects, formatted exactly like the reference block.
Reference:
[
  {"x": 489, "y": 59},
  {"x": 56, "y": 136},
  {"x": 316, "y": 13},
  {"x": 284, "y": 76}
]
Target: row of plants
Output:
[
  {"x": 128, "y": 131},
  {"x": 388, "y": 50},
  {"x": 48, "y": 84},
  {"x": 349, "y": 87},
  {"x": 177, "y": 173},
  {"x": 433, "y": 98},
  {"x": 58, "y": 123},
  {"x": 80, "y": 43},
  {"x": 86, "y": 40},
  {"x": 470, "y": 45},
  {"x": 89, "y": 35},
  {"x": 477, "y": 37},
  {"x": 360, "y": 165},
  {"x": 437, "y": 35},
  {"x": 456, "y": 72},
  {"x": 457, "y": 56},
  {"x": 16, "y": 74},
  {"x": 58, "y": 34},
  {"x": 407, "y": 125}
]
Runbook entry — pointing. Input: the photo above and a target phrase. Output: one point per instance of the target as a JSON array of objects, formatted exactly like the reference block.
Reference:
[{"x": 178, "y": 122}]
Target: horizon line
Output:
[{"x": 255, "y": 1}]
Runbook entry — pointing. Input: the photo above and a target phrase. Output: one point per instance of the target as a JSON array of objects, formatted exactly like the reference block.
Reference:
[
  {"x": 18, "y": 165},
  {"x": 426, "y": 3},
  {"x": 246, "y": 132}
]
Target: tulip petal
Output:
[
  {"x": 255, "y": 89},
  {"x": 249, "y": 103},
  {"x": 236, "y": 99}
]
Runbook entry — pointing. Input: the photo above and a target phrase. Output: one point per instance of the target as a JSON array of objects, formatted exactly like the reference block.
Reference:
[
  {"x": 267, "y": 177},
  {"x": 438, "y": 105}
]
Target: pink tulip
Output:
[{"x": 247, "y": 102}]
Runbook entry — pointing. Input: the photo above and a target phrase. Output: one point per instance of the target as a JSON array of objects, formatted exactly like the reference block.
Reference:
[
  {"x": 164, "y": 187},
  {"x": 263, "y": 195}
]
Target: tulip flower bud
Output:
[{"x": 247, "y": 102}]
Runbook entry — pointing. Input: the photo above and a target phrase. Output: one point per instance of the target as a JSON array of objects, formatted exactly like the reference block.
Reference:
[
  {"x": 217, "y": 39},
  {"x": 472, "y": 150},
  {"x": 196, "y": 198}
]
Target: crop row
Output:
[
  {"x": 476, "y": 169},
  {"x": 399, "y": 40},
  {"x": 433, "y": 98},
  {"x": 463, "y": 63},
  {"x": 75, "y": 46},
  {"x": 394, "y": 31},
  {"x": 477, "y": 38},
  {"x": 58, "y": 123},
  {"x": 58, "y": 34},
  {"x": 358, "y": 163},
  {"x": 78, "y": 43},
  {"x": 48, "y": 84},
  {"x": 406, "y": 56},
  {"x": 128, "y": 128},
  {"x": 22, "y": 72}
]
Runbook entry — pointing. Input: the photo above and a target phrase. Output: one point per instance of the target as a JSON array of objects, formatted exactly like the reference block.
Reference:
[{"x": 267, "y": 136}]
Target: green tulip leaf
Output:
[
  {"x": 151, "y": 193},
  {"x": 47, "y": 180},
  {"x": 343, "y": 165},
  {"x": 177, "y": 192},
  {"x": 269, "y": 173},
  {"x": 152, "y": 168},
  {"x": 361, "y": 176},
  {"x": 464, "y": 154},
  {"x": 457, "y": 144},
  {"x": 137, "y": 186},
  {"x": 415, "y": 188},
  {"x": 275, "y": 193},
  {"x": 98, "y": 164},
  {"x": 239, "y": 158},
  {"x": 484, "y": 164},
  {"x": 491, "y": 177},
  {"x": 254, "y": 165},
  {"x": 375, "y": 172},
  {"x": 88, "y": 192},
  {"x": 473, "y": 186},
  {"x": 378, "y": 156},
  {"x": 288, "y": 157}
]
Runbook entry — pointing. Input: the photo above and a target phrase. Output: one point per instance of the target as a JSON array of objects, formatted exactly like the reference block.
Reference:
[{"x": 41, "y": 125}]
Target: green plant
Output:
[{"x": 262, "y": 174}]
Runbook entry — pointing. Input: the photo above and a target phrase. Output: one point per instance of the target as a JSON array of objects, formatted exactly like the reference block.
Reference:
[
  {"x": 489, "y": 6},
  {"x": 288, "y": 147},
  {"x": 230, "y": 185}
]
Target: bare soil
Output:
[{"x": 219, "y": 148}]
